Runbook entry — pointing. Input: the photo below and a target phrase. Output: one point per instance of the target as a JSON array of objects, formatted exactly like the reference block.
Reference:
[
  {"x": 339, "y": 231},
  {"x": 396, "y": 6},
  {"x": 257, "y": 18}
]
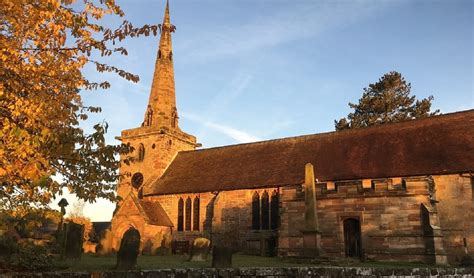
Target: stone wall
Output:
[
  {"x": 129, "y": 215},
  {"x": 265, "y": 272},
  {"x": 160, "y": 148},
  {"x": 388, "y": 211},
  {"x": 226, "y": 214},
  {"x": 456, "y": 211}
]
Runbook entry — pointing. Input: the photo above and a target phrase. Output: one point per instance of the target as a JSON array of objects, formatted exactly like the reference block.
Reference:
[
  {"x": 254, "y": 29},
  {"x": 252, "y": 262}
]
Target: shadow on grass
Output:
[{"x": 91, "y": 262}]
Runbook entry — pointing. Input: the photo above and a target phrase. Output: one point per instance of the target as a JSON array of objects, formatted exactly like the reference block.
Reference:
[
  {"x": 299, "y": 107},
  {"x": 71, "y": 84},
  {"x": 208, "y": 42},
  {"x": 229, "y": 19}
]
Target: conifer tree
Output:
[{"x": 386, "y": 101}]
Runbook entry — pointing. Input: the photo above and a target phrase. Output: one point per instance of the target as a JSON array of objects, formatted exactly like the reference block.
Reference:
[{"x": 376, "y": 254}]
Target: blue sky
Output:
[{"x": 262, "y": 69}]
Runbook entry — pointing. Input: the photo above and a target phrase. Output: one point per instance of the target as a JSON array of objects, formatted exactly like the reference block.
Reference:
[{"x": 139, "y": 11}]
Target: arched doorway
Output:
[{"x": 352, "y": 238}]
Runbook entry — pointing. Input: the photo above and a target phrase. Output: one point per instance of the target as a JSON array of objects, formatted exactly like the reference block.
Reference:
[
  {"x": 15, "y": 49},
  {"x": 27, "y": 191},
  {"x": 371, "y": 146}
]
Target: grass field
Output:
[{"x": 90, "y": 262}]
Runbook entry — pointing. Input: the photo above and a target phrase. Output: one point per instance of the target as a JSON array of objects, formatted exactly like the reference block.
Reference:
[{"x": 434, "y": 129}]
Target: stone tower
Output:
[{"x": 159, "y": 138}]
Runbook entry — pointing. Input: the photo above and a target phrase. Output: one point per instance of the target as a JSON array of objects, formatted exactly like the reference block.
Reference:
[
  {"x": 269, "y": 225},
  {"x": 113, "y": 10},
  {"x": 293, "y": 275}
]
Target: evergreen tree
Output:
[{"x": 386, "y": 101}]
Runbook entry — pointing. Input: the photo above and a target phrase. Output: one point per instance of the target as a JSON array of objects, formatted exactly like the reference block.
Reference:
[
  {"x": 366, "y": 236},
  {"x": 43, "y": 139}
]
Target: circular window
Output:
[{"x": 137, "y": 180}]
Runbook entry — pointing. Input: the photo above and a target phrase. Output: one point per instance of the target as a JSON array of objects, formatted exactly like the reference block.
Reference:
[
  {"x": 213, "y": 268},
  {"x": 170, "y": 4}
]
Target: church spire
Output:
[{"x": 161, "y": 110}]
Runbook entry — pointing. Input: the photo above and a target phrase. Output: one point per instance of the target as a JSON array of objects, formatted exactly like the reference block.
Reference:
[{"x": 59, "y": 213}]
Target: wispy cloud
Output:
[
  {"x": 239, "y": 136},
  {"x": 234, "y": 90},
  {"x": 300, "y": 22}
]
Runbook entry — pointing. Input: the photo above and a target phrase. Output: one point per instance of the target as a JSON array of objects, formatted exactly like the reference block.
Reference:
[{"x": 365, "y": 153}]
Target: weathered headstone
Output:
[
  {"x": 72, "y": 240},
  {"x": 129, "y": 248},
  {"x": 467, "y": 261},
  {"x": 147, "y": 248},
  {"x": 165, "y": 246},
  {"x": 199, "y": 249},
  {"x": 180, "y": 247},
  {"x": 105, "y": 244},
  {"x": 221, "y": 257}
]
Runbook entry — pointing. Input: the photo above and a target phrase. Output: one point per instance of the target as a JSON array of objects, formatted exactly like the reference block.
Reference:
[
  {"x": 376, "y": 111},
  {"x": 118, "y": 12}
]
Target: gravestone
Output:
[
  {"x": 147, "y": 248},
  {"x": 165, "y": 246},
  {"x": 199, "y": 249},
  {"x": 221, "y": 257},
  {"x": 467, "y": 261},
  {"x": 129, "y": 248},
  {"x": 180, "y": 247},
  {"x": 73, "y": 240}
]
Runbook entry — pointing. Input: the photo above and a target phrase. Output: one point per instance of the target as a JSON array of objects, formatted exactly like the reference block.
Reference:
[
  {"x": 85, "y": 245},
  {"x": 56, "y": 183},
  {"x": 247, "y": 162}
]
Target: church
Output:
[{"x": 399, "y": 192}]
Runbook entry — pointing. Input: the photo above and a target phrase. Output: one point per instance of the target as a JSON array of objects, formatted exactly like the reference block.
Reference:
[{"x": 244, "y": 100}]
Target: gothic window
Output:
[
  {"x": 196, "y": 214},
  {"x": 180, "y": 214},
  {"x": 265, "y": 211},
  {"x": 275, "y": 210},
  {"x": 141, "y": 152},
  {"x": 255, "y": 211},
  {"x": 188, "y": 214}
]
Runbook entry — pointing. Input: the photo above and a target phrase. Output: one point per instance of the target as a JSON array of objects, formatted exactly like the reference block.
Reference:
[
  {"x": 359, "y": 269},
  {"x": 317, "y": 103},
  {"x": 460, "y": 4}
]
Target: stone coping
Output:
[{"x": 264, "y": 272}]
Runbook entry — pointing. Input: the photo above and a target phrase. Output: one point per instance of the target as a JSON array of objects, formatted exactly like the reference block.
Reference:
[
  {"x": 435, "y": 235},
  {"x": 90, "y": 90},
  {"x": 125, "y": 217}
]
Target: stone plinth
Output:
[{"x": 312, "y": 244}]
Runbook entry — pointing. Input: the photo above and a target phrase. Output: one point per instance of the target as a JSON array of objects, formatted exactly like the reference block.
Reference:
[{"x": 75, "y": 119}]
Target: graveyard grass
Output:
[{"x": 91, "y": 262}]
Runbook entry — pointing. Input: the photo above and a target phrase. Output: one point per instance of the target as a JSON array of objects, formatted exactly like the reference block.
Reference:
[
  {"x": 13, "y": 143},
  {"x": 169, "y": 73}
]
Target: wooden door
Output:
[{"x": 352, "y": 238}]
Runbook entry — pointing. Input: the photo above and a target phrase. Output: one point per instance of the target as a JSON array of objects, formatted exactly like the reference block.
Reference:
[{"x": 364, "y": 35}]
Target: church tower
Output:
[{"x": 159, "y": 138}]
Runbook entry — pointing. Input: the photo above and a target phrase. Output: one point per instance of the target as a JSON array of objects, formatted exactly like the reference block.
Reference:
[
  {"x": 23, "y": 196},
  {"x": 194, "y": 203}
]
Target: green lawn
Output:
[{"x": 90, "y": 262}]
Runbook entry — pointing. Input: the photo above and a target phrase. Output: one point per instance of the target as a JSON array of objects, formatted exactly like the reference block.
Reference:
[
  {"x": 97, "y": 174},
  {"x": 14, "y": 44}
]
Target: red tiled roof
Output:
[
  {"x": 155, "y": 214},
  {"x": 152, "y": 212},
  {"x": 436, "y": 145}
]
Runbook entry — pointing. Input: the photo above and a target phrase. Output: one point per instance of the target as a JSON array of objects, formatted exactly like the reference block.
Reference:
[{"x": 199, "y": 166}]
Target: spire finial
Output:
[{"x": 166, "y": 19}]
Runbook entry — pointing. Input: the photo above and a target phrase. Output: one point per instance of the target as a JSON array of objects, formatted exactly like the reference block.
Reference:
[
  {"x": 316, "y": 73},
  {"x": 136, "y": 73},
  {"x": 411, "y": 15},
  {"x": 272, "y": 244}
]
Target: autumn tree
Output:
[
  {"x": 386, "y": 101},
  {"x": 44, "y": 44}
]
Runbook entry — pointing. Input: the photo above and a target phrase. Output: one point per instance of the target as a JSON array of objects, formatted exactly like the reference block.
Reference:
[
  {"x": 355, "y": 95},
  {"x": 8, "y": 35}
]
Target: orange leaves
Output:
[{"x": 44, "y": 45}]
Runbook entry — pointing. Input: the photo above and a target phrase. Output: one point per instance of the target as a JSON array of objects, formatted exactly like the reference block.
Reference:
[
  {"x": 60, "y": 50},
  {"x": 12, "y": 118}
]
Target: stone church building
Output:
[{"x": 402, "y": 191}]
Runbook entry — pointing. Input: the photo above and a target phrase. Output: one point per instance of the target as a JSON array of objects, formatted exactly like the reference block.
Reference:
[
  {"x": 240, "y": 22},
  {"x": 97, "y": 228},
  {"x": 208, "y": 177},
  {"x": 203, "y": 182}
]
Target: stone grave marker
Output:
[
  {"x": 221, "y": 257},
  {"x": 147, "y": 248},
  {"x": 199, "y": 249},
  {"x": 165, "y": 246},
  {"x": 129, "y": 248},
  {"x": 73, "y": 240},
  {"x": 180, "y": 247}
]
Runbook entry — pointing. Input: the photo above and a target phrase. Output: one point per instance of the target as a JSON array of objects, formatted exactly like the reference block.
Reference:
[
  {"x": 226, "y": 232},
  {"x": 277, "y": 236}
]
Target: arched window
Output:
[
  {"x": 265, "y": 211},
  {"x": 159, "y": 54},
  {"x": 188, "y": 214},
  {"x": 141, "y": 152},
  {"x": 171, "y": 55},
  {"x": 174, "y": 118},
  {"x": 180, "y": 214},
  {"x": 255, "y": 211},
  {"x": 149, "y": 116},
  {"x": 196, "y": 214},
  {"x": 275, "y": 210}
]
